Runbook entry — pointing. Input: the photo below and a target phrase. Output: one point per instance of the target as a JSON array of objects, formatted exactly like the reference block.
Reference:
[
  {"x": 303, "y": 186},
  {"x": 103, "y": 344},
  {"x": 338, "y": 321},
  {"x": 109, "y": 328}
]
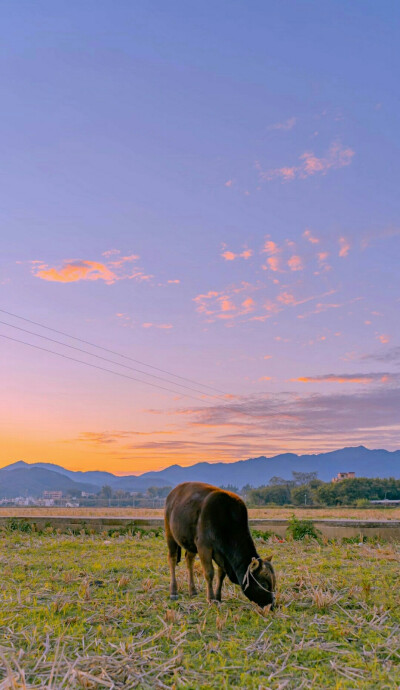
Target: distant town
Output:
[{"x": 154, "y": 497}]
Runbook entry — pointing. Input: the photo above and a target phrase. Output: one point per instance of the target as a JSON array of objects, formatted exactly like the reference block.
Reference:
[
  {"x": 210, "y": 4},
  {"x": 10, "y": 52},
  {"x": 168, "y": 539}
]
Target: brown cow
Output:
[{"x": 204, "y": 519}]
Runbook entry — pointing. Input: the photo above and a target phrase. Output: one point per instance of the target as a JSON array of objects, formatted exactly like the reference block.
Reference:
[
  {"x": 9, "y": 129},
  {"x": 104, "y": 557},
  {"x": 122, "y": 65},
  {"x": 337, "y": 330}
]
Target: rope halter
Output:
[{"x": 253, "y": 565}]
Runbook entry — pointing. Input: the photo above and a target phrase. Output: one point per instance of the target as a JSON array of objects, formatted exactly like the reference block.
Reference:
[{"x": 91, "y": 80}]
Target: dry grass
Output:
[
  {"x": 93, "y": 612},
  {"x": 315, "y": 513}
]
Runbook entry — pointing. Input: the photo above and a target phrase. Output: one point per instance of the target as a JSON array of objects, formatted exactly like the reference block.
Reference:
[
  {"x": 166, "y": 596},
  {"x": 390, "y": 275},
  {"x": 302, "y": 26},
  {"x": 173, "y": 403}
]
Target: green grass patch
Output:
[{"x": 92, "y": 611}]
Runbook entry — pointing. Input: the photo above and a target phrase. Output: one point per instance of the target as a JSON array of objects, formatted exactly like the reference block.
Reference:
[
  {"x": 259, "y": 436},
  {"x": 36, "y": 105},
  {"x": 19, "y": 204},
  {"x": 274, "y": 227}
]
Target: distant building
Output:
[
  {"x": 343, "y": 475},
  {"x": 54, "y": 495}
]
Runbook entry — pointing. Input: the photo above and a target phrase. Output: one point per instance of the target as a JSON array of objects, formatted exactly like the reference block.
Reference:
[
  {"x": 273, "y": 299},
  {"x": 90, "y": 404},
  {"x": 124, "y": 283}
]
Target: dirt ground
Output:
[{"x": 316, "y": 513}]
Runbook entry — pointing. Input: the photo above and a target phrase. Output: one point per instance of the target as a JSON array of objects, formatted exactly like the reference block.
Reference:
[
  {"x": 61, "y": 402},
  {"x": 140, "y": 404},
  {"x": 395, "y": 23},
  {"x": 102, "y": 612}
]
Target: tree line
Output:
[{"x": 306, "y": 489}]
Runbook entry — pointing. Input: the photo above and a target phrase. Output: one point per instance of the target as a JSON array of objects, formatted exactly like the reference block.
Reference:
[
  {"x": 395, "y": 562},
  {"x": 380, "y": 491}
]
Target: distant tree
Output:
[
  {"x": 279, "y": 481},
  {"x": 158, "y": 491},
  {"x": 302, "y": 495},
  {"x": 301, "y": 478},
  {"x": 74, "y": 493},
  {"x": 279, "y": 494},
  {"x": 106, "y": 491},
  {"x": 230, "y": 487}
]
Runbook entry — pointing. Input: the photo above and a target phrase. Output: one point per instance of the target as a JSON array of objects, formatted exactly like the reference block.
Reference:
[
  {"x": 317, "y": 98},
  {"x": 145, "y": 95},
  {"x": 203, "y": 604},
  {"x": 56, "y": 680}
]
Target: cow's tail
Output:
[{"x": 178, "y": 554}]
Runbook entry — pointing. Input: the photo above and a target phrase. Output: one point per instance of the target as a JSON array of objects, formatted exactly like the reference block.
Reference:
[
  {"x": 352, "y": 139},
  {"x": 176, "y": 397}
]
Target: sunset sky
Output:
[{"x": 211, "y": 189}]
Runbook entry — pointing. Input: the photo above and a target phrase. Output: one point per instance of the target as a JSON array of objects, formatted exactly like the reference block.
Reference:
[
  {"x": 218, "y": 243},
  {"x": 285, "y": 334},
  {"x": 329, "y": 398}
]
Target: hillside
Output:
[
  {"x": 33, "y": 481},
  {"x": 258, "y": 471},
  {"x": 20, "y": 477}
]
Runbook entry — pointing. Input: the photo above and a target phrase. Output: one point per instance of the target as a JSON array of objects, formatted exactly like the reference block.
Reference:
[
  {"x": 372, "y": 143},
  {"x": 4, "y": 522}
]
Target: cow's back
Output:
[
  {"x": 182, "y": 511},
  {"x": 201, "y": 511}
]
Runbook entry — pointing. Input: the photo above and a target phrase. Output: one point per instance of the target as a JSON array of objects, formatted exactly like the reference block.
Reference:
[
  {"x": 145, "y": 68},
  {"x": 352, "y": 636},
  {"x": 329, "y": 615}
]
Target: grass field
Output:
[
  {"x": 316, "y": 513},
  {"x": 93, "y": 612}
]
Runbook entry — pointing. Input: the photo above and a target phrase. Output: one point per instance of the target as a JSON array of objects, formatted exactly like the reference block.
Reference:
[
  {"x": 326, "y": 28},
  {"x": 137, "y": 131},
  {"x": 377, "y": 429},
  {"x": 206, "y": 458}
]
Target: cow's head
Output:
[{"x": 259, "y": 582}]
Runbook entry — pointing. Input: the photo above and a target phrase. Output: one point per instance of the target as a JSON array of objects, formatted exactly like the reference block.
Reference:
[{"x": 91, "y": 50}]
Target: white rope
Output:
[{"x": 246, "y": 580}]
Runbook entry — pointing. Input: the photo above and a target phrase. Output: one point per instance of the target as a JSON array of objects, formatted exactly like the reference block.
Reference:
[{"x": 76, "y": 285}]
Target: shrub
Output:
[
  {"x": 18, "y": 525},
  {"x": 298, "y": 529}
]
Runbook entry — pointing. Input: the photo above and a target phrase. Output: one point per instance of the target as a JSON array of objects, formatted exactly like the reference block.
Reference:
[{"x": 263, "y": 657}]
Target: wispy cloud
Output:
[
  {"x": 231, "y": 256},
  {"x": 310, "y": 164},
  {"x": 391, "y": 355},
  {"x": 303, "y": 422},
  {"x": 227, "y": 304},
  {"x": 344, "y": 247},
  {"x": 310, "y": 237},
  {"x": 285, "y": 125},
  {"x": 162, "y": 326},
  {"x": 376, "y": 377}
]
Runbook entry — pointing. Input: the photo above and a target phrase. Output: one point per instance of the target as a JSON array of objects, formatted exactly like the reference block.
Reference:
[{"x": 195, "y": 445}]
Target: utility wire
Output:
[
  {"x": 106, "y": 359},
  {"x": 113, "y": 352},
  {"x": 96, "y": 366}
]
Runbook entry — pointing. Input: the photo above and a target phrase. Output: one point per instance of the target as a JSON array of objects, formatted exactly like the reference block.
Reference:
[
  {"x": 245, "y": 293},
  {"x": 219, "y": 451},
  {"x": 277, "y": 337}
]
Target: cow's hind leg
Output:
[
  {"x": 205, "y": 555},
  {"x": 173, "y": 558},
  {"x": 189, "y": 556},
  {"x": 220, "y": 579}
]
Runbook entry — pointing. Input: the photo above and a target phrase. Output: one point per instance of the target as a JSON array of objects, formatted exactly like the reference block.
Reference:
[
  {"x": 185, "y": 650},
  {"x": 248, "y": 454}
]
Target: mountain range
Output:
[{"x": 22, "y": 478}]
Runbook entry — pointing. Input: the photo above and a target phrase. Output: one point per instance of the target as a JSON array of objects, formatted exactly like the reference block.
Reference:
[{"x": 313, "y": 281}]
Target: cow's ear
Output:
[
  {"x": 268, "y": 558},
  {"x": 254, "y": 565}
]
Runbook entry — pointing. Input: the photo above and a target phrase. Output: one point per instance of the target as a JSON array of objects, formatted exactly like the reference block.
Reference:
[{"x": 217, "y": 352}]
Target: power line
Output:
[
  {"x": 113, "y": 352},
  {"x": 105, "y": 359},
  {"x": 96, "y": 366}
]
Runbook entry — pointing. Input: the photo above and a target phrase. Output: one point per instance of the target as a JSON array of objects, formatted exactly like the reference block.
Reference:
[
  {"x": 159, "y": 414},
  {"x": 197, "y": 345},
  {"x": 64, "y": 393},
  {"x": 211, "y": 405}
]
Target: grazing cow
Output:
[{"x": 204, "y": 519}]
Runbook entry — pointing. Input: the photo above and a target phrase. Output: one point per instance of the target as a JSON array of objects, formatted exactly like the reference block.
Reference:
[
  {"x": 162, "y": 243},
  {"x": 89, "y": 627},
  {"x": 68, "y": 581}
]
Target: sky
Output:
[{"x": 210, "y": 189}]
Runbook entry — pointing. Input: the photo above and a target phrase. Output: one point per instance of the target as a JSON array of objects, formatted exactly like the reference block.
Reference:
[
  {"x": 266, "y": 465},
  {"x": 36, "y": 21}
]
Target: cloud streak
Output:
[
  {"x": 310, "y": 165},
  {"x": 375, "y": 377}
]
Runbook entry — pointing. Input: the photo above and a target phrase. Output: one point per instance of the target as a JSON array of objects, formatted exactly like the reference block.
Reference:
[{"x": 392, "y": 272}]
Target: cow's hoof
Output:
[{"x": 174, "y": 597}]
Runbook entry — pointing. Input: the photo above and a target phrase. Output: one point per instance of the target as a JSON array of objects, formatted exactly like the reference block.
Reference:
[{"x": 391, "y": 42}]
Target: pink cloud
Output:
[
  {"x": 309, "y": 236},
  {"x": 173, "y": 282},
  {"x": 310, "y": 164},
  {"x": 163, "y": 326},
  {"x": 383, "y": 338},
  {"x": 229, "y": 183},
  {"x": 273, "y": 263},
  {"x": 286, "y": 298},
  {"x": 231, "y": 256},
  {"x": 123, "y": 260},
  {"x": 345, "y": 378},
  {"x": 344, "y": 247},
  {"x": 286, "y": 125},
  {"x": 271, "y": 247},
  {"x": 73, "y": 271},
  {"x": 225, "y": 304},
  {"x": 248, "y": 304},
  {"x": 295, "y": 263}
]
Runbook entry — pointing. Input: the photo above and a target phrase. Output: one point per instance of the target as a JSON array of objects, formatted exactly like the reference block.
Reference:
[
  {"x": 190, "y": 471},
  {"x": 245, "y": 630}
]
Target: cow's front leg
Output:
[{"x": 205, "y": 555}]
